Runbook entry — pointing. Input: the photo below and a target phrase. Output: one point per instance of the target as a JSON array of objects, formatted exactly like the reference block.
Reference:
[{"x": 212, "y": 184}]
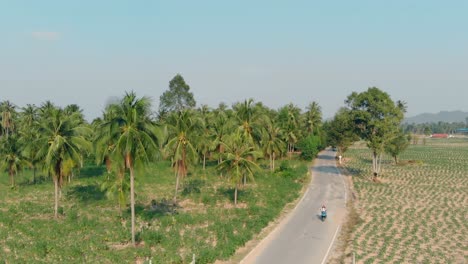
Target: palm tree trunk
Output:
[
  {"x": 12, "y": 180},
  {"x": 274, "y": 156},
  {"x": 204, "y": 161},
  {"x": 56, "y": 197},
  {"x": 132, "y": 202},
  {"x": 177, "y": 183},
  {"x": 235, "y": 195}
]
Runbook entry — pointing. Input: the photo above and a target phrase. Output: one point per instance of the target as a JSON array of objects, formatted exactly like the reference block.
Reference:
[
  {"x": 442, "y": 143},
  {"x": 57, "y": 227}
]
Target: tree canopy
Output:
[{"x": 178, "y": 97}]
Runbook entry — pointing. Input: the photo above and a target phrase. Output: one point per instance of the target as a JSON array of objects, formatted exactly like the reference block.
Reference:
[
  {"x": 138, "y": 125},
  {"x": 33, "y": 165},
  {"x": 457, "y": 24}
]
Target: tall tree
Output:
[
  {"x": 238, "y": 162},
  {"x": 377, "y": 120},
  {"x": 177, "y": 98},
  {"x": 341, "y": 132},
  {"x": 61, "y": 138},
  {"x": 184, "y": 127},
  {"x": 137, "y": 142}
]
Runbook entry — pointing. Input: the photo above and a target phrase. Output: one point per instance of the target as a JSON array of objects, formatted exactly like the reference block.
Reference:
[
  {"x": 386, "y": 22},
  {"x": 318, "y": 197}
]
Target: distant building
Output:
[{"x": 462, "y": 131}]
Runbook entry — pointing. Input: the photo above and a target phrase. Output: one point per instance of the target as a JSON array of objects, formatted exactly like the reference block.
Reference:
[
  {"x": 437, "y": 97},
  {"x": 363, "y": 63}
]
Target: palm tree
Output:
[
  {"x": 288, "y": 118},
  {"x": 238, "y": 163},
  {"x": 203, "y": 141},
  {"x": 137, "y": 143},
  {"x": 250, "y": 120},
  {"x": 8, "y": 112},
  {"x": 313, "y": 116},
  {"x": 11, "y": 158},
  {"x": 107, "y": 133},
  {"x": 272, "y": 143},
  {"x": 29, "y": 135},
  {"x": 184, "y": 127},
  {"x": 221, "y": 125},
  {"x": 105, "y": 138},
  {"x": 61, "y": 138},
  {"x": 46, "y": 110}
]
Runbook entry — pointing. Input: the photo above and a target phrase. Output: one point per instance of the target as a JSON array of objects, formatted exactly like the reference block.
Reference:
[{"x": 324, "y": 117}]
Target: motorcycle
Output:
[{"x": 323, "y": 215}]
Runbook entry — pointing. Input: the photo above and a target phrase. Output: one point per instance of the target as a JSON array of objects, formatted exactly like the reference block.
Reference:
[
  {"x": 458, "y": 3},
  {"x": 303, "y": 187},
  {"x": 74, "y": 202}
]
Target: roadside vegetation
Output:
[{"x": 134, "y": 186}]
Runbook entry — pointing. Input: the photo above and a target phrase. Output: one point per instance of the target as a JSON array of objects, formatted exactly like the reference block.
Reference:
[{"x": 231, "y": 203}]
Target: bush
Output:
[{"x": 310, "y": 147}]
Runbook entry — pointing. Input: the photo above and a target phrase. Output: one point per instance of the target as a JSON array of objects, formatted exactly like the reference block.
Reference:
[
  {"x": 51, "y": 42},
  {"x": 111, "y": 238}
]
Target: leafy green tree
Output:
[
  {"x": 237, "y": 162},
  {"x": 310, "y": 146},
  {"x": 177, "y": 98},
  {"x": 397, "y": 145},
  {"x": 184, "y": 127},
  {"x": 11, "y": 156},
  {"x": 377, "y": 120},
  {"x": 61, "y": 138},
  {"x": 340, "y": 131},
  {"x": 137, "y": 142}
]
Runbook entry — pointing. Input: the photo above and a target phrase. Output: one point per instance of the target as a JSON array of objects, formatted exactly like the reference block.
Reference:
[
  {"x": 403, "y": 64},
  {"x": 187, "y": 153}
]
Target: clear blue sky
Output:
[{"x": 277, "y": 52}]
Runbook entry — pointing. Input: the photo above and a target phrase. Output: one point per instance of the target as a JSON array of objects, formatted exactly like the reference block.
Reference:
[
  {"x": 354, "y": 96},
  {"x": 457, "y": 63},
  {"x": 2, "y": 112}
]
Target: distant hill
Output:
[{"x": 444, "y": 116}]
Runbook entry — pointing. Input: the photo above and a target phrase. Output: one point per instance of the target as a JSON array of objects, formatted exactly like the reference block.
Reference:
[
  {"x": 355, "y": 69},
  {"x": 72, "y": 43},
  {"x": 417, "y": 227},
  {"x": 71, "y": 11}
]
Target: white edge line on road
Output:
[
  {"x": 285, "y": 220},
  {"x": 331, "y": 244}
]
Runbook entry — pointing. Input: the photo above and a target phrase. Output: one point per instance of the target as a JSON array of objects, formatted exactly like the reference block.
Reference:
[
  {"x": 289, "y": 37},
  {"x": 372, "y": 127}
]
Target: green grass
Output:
[
  {"x": 91, "y": 230},
  {"x": 418, "y": 212}
]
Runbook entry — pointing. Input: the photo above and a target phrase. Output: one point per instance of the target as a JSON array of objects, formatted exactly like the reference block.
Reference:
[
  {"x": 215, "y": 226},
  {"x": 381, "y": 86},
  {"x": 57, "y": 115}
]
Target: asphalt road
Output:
[{"x": 302, "y": 237}]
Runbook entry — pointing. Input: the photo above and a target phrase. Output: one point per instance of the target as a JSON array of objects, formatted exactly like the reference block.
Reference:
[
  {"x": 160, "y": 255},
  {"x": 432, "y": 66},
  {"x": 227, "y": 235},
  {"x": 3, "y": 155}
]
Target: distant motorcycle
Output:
[{"x": 323, "y": 215}]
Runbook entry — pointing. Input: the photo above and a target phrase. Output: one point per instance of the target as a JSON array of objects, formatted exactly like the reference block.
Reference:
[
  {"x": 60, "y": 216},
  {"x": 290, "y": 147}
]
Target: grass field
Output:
[
  {"x": 419, "y": 211},
  {"x": 90, "y": 229}
]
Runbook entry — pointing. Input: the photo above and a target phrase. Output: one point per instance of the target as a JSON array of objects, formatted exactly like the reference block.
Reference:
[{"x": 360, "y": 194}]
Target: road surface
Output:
[{"x": 302, "y": 237}]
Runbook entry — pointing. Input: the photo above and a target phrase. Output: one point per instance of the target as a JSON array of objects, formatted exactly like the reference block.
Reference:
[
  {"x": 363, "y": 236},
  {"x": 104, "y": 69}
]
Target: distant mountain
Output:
[{"x": 444, "y": 116}]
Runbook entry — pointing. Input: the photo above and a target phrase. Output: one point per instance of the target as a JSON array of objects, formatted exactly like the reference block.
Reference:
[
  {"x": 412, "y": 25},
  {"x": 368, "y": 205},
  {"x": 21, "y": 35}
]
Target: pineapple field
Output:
[{"x": 417, "y": 211}]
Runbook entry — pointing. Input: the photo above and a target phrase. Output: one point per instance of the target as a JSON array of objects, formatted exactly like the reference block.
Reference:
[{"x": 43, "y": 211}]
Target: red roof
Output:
[{"x": 440, "y": 136}]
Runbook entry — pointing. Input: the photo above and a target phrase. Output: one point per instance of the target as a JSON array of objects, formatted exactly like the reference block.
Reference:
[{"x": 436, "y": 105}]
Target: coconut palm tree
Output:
[
  {"x": 288, "y": 118},
  {"x": 184, "y": 127},
  {"x": 137, "y": 143},
  {"x": 11, "y": 157},
  {"x": 204, "y": 138},
  {"x": 107, "y": 132},
  {"x": 272, "y": 143},
  {"x": 220, "y": 126},
  {"x": 237, "y": 162},
  {"x": 8, "y": 114},
  {"x": 250, "y": 120},
  {"x": 313, "y": 116},
  {"x": 29, "y": 135},
  {"x": 61, "y": 138}
]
